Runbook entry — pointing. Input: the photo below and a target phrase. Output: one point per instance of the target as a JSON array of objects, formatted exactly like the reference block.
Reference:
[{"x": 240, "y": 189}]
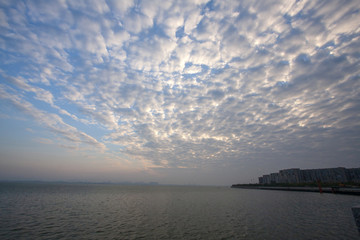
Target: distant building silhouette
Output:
[{"x": 325, "y": 175}]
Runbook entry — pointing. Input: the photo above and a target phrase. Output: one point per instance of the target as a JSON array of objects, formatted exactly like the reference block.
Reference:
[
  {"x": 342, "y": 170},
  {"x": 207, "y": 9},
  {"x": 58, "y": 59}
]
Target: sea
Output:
[{"x": 109, "y": 211}]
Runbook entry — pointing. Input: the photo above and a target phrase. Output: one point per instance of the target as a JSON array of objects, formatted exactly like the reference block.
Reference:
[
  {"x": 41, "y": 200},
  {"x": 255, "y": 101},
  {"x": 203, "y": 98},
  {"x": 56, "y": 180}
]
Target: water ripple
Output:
[{"x": 80, "y": 211}]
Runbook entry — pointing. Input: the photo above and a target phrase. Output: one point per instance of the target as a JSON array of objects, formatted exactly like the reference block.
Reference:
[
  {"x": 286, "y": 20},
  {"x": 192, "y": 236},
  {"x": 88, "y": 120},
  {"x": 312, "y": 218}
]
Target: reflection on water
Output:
[{"x": 89, "y": 211}]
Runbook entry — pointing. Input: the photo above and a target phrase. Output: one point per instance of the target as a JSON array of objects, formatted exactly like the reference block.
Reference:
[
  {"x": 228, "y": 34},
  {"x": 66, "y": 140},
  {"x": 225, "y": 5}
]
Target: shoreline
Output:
[{"x": 333, "y": 190}]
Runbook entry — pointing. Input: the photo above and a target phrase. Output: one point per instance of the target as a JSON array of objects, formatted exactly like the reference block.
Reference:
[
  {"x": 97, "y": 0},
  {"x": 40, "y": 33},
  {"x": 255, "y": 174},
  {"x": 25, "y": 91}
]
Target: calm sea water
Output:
[{"x": 90, "y": 211}]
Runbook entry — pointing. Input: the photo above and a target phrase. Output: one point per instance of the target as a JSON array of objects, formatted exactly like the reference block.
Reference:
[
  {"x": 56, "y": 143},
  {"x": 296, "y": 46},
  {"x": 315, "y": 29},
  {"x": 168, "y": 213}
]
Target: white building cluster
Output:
[{"x": 325, "y": 175}]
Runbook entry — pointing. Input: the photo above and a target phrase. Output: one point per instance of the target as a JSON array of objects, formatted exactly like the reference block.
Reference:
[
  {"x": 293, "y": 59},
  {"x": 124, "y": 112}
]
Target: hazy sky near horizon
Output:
[{"x": 184, "y": 92}]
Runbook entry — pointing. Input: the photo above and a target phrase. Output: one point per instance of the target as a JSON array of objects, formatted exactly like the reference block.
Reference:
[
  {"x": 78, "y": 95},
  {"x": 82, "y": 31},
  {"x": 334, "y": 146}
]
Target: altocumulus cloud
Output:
[{"x": 189, "y": 84}]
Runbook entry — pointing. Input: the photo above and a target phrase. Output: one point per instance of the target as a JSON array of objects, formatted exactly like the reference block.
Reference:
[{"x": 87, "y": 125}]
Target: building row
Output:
[{"x": 325, "y": 175}]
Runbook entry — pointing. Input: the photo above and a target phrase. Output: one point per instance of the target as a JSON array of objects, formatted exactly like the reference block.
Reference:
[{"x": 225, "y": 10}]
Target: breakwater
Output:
[{"x": 334, "y": 190}]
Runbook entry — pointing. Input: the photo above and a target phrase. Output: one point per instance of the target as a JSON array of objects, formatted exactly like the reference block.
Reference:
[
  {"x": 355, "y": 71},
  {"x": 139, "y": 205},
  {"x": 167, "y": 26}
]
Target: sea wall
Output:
[{"x": 334, "y": 190}]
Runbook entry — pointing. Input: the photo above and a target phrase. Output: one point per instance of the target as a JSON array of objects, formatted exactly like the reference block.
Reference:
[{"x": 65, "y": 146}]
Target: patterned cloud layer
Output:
[{"x": 188, "y": 84}]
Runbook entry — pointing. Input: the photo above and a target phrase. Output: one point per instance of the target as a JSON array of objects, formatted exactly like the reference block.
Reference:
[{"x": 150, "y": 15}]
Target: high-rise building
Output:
[{"x": 325, "y": 175}]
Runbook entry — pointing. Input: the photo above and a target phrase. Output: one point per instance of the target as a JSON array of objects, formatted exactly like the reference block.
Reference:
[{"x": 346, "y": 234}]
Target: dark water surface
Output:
[{"x": 91, "y": 211}]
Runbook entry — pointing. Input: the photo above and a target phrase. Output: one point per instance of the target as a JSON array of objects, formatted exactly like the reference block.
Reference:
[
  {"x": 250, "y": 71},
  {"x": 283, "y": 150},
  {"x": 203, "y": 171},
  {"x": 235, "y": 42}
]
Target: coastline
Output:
[{"x": 333, "y": 190}]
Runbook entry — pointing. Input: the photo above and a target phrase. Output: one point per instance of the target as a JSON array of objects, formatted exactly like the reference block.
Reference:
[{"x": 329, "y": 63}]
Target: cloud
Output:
[
  {"x": 51, "y": 121},
  {"x": 3, "y": 19},
  {"x": 120, "y": 7},
  {"x": 185, "y": 84},
  {"x": 43, "y": 140},
  {"x": 40, "y": 94}
]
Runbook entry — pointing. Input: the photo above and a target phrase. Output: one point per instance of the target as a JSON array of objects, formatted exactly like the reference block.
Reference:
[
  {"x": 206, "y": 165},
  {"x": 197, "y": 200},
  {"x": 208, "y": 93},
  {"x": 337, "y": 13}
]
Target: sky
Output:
[{"x": 177, "y": 92}]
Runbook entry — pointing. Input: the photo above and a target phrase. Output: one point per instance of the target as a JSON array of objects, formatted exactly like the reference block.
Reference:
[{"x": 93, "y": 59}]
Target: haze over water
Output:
[{"x": 92, "y": 211}]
